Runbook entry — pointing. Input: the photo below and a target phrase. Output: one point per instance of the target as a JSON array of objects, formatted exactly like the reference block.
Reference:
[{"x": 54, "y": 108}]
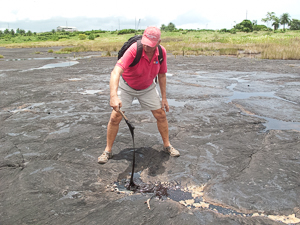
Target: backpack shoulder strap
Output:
[
  {"x": 139, "y": 52},
  {"x": 160, "y": 56}
]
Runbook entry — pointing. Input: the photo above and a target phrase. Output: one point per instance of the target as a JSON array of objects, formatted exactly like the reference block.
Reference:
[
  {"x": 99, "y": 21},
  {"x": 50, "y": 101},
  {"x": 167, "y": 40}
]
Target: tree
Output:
[
  {"x": 245, "y": 26},
  {"x": 163, "y": 27},
  {"x": 12, "y": 32},
  {"x": 171, "y": 27},
  {"x": 29, "y": 33},
  {"x": 6, "y": 31},
  {"x": 22, "y": 32},
  {"x": 294, "y": 24},
  {"x": 269, "y": 17},
  {"x": 276, "y": 23},
  {"x": 285, "y": 19}
]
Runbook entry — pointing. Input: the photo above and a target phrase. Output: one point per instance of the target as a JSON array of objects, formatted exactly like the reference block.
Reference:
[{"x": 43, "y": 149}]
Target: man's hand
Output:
[
  {"x": 115, "y": 103},
  {"x": 165, "y": 105}
]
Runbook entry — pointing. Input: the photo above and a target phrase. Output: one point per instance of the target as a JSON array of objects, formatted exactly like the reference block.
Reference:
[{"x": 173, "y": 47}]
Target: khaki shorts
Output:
[{"x": 148, "y": 98}]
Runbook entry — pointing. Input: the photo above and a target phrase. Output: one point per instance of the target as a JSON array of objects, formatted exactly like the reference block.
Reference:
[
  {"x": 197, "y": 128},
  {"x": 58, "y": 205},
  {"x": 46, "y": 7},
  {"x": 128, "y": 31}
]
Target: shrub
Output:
[
  {"x": 279, "y": 31},
  {"x": 246, "y": 29},
  {"x": 80, "y": 48},
  {"x": 126, "y": 31},
  {"x": 91, "y": 36},
  {"x": 55, "y": 38},
  {"x": 295, "y": 24},
  {"x": 106, "y": 54},
  {"x": 233, "y": 31},
  {"x": 82, "y": 36},
  {"x": 63, "y": 36},
  {"x": 1, "y": 56},
  {"x": 42, "y": 38},
  {"x": 50, "y": 51},
  {"x": 100, "y": 31},
  {"x": 224, "y": 30},
  {"x": 228, "y": 51},
  {"x": 260, "y": 28}
]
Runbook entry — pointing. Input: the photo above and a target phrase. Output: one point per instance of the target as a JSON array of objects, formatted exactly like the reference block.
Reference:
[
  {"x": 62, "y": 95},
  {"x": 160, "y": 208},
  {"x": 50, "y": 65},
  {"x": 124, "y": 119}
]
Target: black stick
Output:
[{"x": 131, "y": 128}]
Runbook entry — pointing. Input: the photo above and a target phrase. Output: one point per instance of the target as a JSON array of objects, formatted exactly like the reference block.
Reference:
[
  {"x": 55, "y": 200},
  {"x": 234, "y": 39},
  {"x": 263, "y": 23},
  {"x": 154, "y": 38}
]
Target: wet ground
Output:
[{"x": 235, "y": 121}]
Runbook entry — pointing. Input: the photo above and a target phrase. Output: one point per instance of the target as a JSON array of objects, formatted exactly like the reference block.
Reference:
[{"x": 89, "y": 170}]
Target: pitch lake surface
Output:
[{"x": 236, "y": 123}]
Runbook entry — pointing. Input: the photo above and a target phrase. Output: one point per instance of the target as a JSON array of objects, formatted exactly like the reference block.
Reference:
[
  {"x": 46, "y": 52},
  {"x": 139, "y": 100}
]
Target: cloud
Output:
[
  {"x": 190, "y": 18},
  {"x": 82, "y": 23}
]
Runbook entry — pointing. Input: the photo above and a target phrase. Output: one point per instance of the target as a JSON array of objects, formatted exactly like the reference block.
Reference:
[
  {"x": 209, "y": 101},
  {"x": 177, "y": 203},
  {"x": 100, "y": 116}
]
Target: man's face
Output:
[{"x": 149, "y": 49}]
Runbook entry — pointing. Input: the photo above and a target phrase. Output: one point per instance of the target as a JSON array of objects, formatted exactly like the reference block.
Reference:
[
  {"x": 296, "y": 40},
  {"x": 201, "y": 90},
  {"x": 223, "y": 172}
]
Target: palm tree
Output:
[
  {"x": 285, "y": 19},
  {"x": 269, "y": 17},
  {"x": 276, "y": 23}
]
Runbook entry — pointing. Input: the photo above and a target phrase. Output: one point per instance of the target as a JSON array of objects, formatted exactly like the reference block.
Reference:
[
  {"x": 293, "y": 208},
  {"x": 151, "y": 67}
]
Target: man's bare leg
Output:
[
  {"x": 112, "y": 129},
  {"x": 162, "y": 125}
]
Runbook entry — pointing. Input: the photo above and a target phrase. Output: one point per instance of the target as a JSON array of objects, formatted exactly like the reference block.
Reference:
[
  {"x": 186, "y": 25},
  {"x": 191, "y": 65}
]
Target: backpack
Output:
[{"x": 139, "y": 52}]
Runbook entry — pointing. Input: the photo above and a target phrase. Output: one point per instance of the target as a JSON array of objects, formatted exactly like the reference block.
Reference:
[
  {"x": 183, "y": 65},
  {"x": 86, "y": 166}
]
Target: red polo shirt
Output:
[{"x": 142, "y": 74}]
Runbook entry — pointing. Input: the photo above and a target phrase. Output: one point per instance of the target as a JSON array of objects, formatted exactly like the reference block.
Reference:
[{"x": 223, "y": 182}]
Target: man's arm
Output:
[
  {"x": 115, "y": 102},
  {"x": 162, "y": 80}
]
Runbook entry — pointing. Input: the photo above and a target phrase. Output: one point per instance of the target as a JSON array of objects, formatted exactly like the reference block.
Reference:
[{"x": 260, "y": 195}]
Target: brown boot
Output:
[
  {"x": 172, "y": 151},
  {"x": 104, "y": 157}
]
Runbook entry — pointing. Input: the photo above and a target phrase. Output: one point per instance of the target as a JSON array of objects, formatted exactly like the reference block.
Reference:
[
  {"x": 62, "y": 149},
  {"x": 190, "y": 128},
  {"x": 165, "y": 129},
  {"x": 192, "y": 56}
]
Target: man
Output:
[{"x": 137, "y": 81}]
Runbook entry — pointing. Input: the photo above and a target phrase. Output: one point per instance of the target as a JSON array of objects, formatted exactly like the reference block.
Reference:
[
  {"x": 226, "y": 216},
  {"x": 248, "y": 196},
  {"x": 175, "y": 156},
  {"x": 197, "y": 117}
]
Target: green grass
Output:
[
  {"x": 1, "y": 56},
  {"x": 264, "y": 44}
]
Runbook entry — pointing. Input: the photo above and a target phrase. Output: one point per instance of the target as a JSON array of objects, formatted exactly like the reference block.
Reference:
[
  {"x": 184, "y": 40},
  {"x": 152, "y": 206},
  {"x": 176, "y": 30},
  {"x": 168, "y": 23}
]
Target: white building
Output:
[{"x": 65, "y": 28}]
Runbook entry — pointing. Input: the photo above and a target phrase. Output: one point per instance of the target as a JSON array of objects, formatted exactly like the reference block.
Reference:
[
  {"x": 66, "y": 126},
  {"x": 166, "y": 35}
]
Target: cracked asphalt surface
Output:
[{"x": 236, "y": 122}]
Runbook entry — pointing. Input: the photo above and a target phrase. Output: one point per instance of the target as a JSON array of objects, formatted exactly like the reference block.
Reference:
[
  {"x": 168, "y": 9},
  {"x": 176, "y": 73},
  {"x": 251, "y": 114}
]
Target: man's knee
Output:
[
  {"x": 159, "y": 114},
  {"x": 115, "y": 118}
]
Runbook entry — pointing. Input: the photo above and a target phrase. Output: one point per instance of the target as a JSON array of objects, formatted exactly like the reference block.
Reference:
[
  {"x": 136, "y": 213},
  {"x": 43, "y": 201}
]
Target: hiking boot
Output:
[
  {"x": 104, "y": 157},
  {"x": 172, "y": 151}
]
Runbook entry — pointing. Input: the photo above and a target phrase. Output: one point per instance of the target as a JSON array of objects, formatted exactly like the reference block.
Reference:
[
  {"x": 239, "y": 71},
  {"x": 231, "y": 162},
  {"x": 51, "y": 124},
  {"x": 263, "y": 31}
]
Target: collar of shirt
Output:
[{"x": 155, "y": 55}]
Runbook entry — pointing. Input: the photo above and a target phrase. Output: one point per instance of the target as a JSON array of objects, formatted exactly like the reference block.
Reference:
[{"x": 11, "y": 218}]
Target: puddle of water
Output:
[
  {"x": 74, "y": 79},
  {"x": 271, "y": 124},
  {"x": 62, "y": 64},
  {"x": 47, "y": 58},
  {"x": 90, "y": 92},
  {"x": 15, "y": 153},
  {"x": 54, "y": 65},
  {"x": 43, "y": 170},
  {"x": 274, "y": 124},
  {"x": 63, "y": 130},
  {"x": 26, "y": 107},
  {"x": 174, "y": 102},
  {"x": 246, "y": 95}
]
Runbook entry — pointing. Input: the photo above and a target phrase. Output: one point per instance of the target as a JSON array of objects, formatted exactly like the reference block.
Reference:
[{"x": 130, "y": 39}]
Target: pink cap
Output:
[{"x": 151, "y": 36}]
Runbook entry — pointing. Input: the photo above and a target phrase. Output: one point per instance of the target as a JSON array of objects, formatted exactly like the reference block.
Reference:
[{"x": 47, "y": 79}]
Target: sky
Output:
[{"x": 45, "y": 15}]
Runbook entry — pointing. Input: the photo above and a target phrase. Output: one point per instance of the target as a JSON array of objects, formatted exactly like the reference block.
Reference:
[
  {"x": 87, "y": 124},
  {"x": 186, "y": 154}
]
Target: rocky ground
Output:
[{"x": 236, "y": 122}]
